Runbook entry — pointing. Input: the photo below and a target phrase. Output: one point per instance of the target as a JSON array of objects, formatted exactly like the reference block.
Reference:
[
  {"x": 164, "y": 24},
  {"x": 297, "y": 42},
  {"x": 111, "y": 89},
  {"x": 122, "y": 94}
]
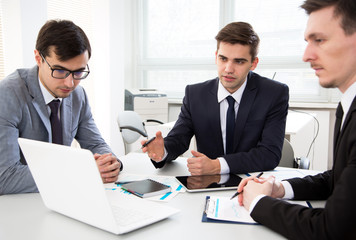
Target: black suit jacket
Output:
[
  {"x": 337, "y": 220},
  {"x": 259, "y": 129}
]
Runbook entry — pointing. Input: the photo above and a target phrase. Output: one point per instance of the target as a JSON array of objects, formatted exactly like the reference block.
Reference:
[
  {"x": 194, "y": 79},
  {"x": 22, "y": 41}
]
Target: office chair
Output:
[
  {"x": 288, "y": 159},
  {"x": 132, "y": 128}
]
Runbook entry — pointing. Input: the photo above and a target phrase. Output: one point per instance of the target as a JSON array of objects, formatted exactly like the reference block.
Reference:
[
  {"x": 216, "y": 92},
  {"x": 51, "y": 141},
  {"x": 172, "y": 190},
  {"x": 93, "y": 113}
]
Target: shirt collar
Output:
[
  {"x": 348, "y": 97},
  {"x": 223, "y": 93},
  {"x": 46, "y": 94}
]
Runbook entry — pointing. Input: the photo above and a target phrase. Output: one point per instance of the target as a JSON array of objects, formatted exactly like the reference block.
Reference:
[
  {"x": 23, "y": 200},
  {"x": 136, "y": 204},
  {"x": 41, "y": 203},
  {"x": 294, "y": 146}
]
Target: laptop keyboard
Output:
[{"x": 125, "y": 217}]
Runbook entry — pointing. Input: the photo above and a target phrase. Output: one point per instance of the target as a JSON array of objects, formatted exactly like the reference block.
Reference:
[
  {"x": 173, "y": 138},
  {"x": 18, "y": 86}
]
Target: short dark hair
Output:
[
  {"x": 346, "y": 9},
  {"x": 241, "y": 33},
  {"x": 68, "y": 39}
]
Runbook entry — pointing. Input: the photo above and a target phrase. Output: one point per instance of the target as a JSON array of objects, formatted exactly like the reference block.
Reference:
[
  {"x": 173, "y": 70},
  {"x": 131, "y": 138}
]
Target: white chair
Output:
[
  {"x": 288, "y": 159},
  {"x": 132, "y": 128}
]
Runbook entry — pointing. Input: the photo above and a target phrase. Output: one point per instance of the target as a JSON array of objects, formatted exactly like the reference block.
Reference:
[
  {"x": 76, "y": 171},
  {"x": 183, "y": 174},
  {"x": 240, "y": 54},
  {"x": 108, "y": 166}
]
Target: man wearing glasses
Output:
[{"x": 46, "y": 104}]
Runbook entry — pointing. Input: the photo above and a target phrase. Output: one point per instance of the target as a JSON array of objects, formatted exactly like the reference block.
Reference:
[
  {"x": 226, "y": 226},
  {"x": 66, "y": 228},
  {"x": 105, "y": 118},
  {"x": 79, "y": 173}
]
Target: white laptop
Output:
[{"x": 69, "y": 183}]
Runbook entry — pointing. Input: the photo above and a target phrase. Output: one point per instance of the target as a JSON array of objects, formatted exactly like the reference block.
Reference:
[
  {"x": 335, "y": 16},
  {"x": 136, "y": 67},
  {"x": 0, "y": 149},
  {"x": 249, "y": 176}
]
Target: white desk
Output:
[{"x": 24, "y": 216}]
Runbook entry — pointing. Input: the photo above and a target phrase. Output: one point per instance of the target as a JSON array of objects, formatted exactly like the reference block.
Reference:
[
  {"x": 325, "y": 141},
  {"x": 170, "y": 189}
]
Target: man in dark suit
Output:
[
  {"x": 245, "y": 137},
  {"x": 331, "y": 51}
]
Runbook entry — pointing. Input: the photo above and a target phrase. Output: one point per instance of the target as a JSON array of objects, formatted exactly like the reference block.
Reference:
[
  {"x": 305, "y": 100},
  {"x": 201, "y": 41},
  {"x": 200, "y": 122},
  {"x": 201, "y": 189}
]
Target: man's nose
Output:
[{"x": 69, "y": 81}]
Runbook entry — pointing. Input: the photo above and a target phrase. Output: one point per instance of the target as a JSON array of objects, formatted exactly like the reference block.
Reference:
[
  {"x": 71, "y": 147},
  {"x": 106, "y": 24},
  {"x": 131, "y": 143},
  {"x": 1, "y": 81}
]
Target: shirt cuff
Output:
[
  {"x": 164, "y": 156},
  {"x": 288, "y": 194},
  {"x": 224, "y": 168},
  {"x": 224, "y": 178},
  {"x": 255, "y": 201},
  {"x": 288, "y": 190}
]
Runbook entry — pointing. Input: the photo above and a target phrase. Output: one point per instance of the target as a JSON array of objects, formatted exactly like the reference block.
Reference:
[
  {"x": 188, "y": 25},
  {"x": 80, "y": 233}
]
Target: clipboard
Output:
[
  {"x": 205, "y": 217},
  {"x": 233, "y": 207}
]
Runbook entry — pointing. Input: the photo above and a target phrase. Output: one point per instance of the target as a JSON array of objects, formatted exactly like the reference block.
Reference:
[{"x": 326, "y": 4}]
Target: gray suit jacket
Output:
[{"x": 23, "y": 113}]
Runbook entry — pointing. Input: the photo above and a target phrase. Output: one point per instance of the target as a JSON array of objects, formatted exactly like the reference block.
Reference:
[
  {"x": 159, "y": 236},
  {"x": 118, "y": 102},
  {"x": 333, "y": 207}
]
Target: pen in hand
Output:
[
  {"x": 237, "y": 193},
  {"x": 148, "y": 142}
]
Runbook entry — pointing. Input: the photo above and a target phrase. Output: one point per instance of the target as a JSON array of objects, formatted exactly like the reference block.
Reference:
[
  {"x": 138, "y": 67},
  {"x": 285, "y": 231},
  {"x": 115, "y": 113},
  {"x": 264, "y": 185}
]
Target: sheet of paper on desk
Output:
[
  {"x": 222, "y": 208},
  {"x": 281, "y": 173}
]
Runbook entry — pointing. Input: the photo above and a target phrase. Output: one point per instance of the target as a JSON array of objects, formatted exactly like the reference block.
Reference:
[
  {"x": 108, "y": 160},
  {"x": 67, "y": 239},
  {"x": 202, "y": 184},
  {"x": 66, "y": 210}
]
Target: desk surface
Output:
[{"x": 23, "y": 216}]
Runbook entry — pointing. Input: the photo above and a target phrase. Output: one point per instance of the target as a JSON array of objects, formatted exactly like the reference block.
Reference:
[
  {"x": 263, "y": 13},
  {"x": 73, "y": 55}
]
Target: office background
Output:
[{"x": 166, "y": 44}]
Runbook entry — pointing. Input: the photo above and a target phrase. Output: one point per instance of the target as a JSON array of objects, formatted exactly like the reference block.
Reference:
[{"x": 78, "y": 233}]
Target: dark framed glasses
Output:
[{"x": 64, "y": 73}]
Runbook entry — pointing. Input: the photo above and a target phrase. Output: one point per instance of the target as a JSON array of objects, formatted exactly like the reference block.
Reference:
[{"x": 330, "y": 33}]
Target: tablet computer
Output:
[{"x": 209, "y": 182}]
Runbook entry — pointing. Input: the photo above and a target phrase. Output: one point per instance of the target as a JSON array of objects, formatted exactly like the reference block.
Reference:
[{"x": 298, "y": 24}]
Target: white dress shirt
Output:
[
  {"x": 48, "y": 97},
  {"x": 224, "y": 105}
]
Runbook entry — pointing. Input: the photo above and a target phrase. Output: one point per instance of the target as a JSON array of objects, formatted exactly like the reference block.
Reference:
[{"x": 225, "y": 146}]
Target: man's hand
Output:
[
  {"x": 155, "y": 149},
  {"x": 200, "y": 164},
  {"x": 252, "y": 187},
  {"x": 109, "y": 167}
]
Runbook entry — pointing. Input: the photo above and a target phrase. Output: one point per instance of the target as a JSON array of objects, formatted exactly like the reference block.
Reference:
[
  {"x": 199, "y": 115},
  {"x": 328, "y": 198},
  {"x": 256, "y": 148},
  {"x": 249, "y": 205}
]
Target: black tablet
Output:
[{"x": 209, "y": 182}]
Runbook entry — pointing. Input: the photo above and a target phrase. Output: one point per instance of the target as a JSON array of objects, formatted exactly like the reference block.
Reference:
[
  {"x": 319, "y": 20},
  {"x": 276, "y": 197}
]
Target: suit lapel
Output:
[
  {"x": 344, "y": 125},
  {"x": 66, "y": 119},
  {"x": 247, "y": 100},
  {"x": 214, "y": 106},
  {"x": 37, "y": 98}
]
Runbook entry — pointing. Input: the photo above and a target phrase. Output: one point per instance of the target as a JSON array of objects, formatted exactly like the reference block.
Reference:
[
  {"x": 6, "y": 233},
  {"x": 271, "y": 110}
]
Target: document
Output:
[{"x": 222, "y": 209}]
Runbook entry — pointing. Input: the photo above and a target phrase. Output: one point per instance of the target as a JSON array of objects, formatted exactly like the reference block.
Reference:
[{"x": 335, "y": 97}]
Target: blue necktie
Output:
[
  {"x": 55, "y": 122},
  {"x": 230, "y": 125}
]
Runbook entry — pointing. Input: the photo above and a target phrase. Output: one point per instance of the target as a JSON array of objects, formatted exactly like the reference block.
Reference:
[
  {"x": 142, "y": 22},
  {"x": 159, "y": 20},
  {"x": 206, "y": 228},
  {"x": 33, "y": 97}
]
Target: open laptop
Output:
[{"x": 69, "y": 183}]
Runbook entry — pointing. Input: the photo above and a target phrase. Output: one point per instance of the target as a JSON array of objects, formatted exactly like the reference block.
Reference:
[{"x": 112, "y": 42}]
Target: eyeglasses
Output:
[{"x": 63, "y": 73}]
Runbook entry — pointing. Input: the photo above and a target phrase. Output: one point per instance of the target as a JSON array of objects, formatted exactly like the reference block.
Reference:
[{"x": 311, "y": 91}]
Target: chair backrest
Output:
[
  {"x": 131, "y": 126},
  {"x": 287, "y": 159}
]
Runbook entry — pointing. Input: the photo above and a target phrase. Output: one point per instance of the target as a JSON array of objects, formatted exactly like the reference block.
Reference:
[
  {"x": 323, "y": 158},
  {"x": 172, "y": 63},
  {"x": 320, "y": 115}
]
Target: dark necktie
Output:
[
  {"x": 339, "y": 114},
  {"x": 55, "y": 122},
  {"x": 230, "y": 125}
]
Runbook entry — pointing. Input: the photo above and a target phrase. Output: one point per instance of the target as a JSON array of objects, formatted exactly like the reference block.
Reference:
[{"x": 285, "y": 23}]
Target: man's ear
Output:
[
  {"x": 38, "y": 57},
  {"x": 254, "y": 64}
]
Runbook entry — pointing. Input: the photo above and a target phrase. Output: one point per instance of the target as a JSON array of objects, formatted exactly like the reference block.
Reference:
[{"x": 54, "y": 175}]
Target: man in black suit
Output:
[
  {"x": 246, "y": 137},
  {"x": 331, "y": 51}
]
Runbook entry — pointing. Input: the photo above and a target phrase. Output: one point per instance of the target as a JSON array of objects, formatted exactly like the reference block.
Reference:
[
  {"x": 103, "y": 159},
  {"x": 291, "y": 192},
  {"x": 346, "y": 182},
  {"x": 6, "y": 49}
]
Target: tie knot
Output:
[
  {"x": 230, "y": 100},
  {"x": 54, "y": 105},
  {"x": 339, "y": 111}
]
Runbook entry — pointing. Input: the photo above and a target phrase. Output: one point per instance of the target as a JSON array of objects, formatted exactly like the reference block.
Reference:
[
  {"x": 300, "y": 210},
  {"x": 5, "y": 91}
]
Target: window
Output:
[
  {"x": 177, "y": 47},
  {"x": 176, "y": 43}
]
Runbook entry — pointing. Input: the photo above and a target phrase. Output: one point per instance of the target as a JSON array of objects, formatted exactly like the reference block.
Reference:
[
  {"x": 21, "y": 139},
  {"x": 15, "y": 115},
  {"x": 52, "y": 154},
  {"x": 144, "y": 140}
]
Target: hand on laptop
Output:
[{"x": 109, "y": 167}]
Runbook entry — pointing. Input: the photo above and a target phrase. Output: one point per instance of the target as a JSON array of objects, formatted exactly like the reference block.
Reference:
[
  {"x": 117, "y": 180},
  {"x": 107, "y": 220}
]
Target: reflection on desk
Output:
[{"x": 23, "y": 216}]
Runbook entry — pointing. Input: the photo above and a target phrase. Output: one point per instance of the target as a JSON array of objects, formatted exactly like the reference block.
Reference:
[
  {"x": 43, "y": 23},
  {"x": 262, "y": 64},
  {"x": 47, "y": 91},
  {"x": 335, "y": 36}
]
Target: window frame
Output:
[{"x": 143, "y": 65}]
